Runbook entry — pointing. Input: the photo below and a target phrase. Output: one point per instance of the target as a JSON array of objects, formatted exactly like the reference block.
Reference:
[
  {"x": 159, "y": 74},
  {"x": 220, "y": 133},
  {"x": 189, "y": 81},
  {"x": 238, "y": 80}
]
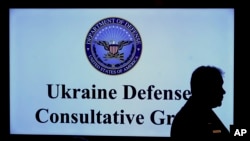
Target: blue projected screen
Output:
[{"x": 113, "y": 72}]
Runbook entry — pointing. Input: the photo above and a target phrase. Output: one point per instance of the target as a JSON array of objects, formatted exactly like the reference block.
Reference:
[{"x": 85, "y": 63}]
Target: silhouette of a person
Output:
[{"x": 196, "y": 118}]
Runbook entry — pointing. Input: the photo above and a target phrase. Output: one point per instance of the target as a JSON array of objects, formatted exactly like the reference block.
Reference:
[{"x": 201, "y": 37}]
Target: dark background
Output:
[{"x": 241, "y": 65}]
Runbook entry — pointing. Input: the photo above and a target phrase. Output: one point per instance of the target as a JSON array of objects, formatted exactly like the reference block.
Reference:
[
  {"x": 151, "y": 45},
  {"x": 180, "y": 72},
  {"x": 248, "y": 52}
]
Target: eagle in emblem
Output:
[{"x": 113, "y": 48}]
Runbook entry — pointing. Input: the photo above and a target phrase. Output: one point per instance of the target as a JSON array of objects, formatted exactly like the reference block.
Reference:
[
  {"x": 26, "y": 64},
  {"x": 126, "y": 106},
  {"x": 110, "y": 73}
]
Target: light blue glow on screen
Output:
[{"x": 47, "y": 47}]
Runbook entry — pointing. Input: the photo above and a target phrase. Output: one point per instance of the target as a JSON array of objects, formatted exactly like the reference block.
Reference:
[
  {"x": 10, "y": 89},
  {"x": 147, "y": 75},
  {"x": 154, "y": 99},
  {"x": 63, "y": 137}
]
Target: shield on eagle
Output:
[{"x": 113, "y": 48}]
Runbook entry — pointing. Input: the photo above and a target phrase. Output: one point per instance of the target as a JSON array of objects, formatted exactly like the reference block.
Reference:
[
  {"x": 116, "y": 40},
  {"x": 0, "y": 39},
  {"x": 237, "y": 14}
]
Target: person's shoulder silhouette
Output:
[{"x": 196, "y": 118}]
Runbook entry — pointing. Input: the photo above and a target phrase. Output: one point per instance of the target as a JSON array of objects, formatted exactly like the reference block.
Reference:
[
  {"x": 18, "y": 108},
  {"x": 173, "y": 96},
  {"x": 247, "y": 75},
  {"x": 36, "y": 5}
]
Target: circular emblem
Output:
[{"x": 113, "y": 46}]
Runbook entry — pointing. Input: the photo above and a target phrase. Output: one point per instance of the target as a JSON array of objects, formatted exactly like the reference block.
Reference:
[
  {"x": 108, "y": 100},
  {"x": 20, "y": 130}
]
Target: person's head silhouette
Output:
[
  {"x": 196, "y": 117},
  {"x": 206, "y": 85}
]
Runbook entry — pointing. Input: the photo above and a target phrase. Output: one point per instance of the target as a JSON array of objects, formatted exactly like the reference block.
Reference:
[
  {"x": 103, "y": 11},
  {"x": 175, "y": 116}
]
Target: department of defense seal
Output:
[{"x": 113, "y": 46}]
